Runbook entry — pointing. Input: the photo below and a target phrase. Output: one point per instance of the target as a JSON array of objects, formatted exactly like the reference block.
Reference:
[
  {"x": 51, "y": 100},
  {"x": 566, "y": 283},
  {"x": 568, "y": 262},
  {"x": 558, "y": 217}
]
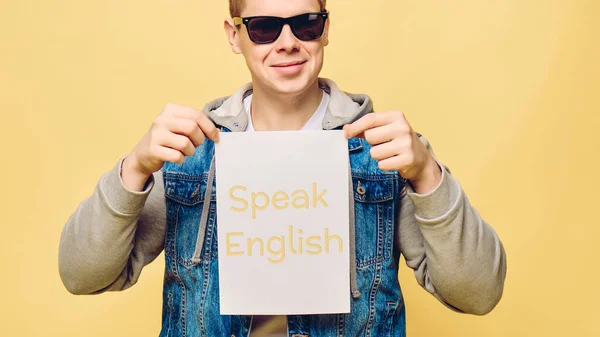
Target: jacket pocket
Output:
[
  {"x": 185, "y": 198},
  {"x": 374, "y": 216},
  {"x": 185, "y": 189}
]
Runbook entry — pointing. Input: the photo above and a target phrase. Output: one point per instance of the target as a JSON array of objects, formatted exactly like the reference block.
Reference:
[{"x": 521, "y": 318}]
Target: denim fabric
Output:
[{"x": 191, "y": 287}]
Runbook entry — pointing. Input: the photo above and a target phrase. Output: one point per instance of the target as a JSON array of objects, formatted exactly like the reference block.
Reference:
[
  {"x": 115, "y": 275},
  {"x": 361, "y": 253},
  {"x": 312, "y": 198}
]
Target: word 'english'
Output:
[{"x": 237, "y": 244}]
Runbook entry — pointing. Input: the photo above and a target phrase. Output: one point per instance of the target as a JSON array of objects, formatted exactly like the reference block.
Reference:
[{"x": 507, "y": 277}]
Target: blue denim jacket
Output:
[
  {"x": 191, "y": 290},
  {"x": 191, "y": 293}
]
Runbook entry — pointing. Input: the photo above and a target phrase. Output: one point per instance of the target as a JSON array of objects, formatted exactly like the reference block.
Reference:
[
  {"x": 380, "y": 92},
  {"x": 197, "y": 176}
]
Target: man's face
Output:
[{"x": 288, "y": 65}]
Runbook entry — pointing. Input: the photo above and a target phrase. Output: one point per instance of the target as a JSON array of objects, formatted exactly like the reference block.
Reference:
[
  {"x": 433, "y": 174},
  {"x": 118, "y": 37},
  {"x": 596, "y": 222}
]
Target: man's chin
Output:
[{"x": 293, "y": 86}]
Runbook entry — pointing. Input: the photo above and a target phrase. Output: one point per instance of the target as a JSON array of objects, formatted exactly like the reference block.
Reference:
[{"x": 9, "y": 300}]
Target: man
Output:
[{"x": 161, "y": 196}]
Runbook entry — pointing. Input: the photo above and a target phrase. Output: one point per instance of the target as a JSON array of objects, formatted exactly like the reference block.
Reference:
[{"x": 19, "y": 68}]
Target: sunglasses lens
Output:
[
  {"x": 308, "y": 27},
  {"x": 264, "y": 30}
]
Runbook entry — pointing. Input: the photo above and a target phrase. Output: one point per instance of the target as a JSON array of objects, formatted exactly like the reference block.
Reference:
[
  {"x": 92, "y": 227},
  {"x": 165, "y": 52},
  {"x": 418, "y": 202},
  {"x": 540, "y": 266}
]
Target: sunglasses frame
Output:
[{"x": 284, "y": 21}]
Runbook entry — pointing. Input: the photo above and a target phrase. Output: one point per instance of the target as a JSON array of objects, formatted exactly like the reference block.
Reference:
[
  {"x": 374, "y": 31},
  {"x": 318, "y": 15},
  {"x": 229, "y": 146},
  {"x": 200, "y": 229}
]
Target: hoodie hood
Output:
[{"x": 343, "y": 108}]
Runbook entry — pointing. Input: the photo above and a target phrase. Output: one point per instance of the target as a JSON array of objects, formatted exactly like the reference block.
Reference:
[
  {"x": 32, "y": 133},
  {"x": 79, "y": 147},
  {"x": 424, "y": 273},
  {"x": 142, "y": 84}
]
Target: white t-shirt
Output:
[
  {"x": 314, "y": 123},
  {"x": 276, "y": 326}
]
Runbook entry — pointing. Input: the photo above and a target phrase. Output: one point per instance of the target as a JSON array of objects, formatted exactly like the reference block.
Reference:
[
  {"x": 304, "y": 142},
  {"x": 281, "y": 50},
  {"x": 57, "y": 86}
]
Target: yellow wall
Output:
[{"x": 506, "y": 91}]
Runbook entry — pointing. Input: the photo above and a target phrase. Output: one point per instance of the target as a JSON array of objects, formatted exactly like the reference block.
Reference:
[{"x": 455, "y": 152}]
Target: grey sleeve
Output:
[
  {"x": 455, "y": 254},
  {"x": 112, "y": 235}
]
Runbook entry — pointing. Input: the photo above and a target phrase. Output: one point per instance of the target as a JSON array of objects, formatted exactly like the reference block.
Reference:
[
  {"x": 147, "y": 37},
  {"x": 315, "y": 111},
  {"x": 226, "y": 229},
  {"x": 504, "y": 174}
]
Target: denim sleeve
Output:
[
  {"x": 112, "y": 235},
  {"x": 455, "y": 254}
]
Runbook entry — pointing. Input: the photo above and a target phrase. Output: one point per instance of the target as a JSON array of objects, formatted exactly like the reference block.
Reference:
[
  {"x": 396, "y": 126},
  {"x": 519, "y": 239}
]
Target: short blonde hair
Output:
[{"x": 237, "y": 6}]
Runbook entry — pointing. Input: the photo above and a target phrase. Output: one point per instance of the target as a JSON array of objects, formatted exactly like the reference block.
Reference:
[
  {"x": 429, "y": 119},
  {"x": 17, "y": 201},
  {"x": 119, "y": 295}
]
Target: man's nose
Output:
[{"x": 287, "y": 41}]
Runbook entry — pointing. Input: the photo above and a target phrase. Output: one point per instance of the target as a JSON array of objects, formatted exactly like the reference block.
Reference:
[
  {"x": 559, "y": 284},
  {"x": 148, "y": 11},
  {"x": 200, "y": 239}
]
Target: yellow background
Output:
[{"x": 506, "y": 91}]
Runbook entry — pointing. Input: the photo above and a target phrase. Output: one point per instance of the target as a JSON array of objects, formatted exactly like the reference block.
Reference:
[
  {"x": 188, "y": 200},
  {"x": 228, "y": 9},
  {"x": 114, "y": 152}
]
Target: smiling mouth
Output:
[{"x": 289, "y": 64}]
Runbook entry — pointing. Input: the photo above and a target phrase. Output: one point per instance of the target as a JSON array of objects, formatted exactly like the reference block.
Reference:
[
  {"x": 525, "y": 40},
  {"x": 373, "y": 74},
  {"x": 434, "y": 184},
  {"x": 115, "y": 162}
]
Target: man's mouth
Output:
[{"x": 288, "y": 64}]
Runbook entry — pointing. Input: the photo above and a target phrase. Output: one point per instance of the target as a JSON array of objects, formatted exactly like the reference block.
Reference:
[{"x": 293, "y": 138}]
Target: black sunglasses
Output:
[{"x": 266, "y": 29}]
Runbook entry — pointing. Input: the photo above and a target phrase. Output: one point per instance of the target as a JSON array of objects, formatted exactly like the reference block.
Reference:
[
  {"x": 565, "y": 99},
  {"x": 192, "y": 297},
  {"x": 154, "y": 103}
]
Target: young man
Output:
[{"x": 161, "y": 196}]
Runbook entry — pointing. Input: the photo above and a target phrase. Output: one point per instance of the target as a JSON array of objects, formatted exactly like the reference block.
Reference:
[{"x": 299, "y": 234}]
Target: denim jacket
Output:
[{"x": 456, "y": 255}]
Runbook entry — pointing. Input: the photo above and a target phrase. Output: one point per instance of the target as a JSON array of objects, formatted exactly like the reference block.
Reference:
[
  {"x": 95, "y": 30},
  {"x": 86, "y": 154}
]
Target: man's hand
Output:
[
  {"x": 397, "y": 147},
  {"x": 174, "y": 134}
]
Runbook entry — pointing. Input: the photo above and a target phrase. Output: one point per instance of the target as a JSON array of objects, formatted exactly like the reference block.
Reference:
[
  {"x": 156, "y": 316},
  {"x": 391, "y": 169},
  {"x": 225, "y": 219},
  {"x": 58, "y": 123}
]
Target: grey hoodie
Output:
[{"x": 456, "y": 256}]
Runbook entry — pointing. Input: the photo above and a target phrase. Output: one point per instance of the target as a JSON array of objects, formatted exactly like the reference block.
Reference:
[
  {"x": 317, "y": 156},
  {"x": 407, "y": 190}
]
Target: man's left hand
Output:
[{"x": 397, "y": 147}]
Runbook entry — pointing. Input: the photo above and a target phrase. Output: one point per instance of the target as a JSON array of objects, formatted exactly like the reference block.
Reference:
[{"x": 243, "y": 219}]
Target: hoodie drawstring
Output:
[
  {"x": 353, "y": 283},
  {"x": 205, "y": 211}
]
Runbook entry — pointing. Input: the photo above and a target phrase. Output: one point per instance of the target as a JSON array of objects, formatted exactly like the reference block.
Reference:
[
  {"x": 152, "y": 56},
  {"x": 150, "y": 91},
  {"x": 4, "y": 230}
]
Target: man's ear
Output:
[
  {"x": 325, "y": 37},
  {"x": 232, "y": 35}
]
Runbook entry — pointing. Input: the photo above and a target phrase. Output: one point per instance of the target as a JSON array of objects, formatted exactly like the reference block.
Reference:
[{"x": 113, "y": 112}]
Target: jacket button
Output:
[
  {"x": 195, "y": 193},
  {"x": 361, "y": 190}
]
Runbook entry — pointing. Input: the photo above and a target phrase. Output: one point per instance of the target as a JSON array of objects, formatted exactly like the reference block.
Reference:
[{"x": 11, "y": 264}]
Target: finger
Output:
[
  {"x": 168, "y": 154},
  {"x": 205, "y": 124},
  {"x": 178, "y": 142},
  {"x": 346, "y": 133},
  {"x": 187, "y": 128},
  {"x": 208, "y": 128},
  {"x": 386, "y": 133},
  {"x": 391, "y": 163},
  {"x": 181, "y": 111},
  {"x": 385, "y": 150},
  {"x": 369, "y": 121}
]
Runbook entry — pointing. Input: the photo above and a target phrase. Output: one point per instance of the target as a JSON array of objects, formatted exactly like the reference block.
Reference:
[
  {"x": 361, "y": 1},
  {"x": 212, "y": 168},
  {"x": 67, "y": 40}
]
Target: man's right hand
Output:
[{"x": 175, "y": 134}]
